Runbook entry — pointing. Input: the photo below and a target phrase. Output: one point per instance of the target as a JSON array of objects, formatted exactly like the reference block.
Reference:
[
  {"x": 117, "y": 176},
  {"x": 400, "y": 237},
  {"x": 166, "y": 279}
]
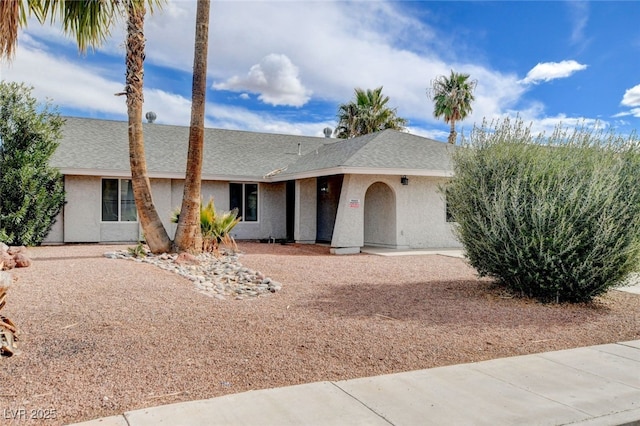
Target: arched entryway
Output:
[{"x": 380, "y": 216}]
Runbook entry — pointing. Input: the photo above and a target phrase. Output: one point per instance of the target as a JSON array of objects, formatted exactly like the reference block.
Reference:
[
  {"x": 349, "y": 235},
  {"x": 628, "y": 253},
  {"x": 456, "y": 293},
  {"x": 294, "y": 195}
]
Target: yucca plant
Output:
[{"x": 215, "y": 227}]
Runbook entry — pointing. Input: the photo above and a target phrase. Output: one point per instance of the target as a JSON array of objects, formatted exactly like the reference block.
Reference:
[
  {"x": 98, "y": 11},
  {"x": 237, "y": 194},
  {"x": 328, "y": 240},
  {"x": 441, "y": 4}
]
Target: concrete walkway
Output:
[
  {"x": 597, "y": 385},
  {"x": 381, "y": 251}
]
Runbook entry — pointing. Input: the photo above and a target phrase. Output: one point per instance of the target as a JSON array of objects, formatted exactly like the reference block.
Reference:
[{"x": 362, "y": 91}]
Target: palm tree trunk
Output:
[
  {"x": 188, "y": 234},
  {"x": 452, "y": 134},
  {"x": 154, "y": 231}
]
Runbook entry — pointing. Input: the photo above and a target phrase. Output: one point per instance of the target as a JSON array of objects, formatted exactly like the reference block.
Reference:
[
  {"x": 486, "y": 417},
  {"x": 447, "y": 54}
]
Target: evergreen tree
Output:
[{"x": 31, "y": 192}]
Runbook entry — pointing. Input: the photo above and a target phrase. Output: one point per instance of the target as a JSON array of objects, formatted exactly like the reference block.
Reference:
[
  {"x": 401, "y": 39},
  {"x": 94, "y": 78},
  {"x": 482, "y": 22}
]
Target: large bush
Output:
[
  {"x": 31, "y": 192},
  {"x": 556, "y": 218}
]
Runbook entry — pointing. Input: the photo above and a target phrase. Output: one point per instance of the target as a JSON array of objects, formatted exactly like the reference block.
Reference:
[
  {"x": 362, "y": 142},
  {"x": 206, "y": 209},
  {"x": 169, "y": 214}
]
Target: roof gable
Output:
[{"x": 388, "y": 149}]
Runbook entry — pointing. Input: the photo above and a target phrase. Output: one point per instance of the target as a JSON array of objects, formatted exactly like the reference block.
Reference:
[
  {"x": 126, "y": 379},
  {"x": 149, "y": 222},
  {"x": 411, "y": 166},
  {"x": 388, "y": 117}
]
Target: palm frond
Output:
[{"x": 14, "y": 17}]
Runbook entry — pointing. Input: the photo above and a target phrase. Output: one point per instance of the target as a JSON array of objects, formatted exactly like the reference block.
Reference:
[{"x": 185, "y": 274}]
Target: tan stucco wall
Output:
[
  {"x": 161, "y": 193},
  {"x": 305, "y": 206},
  {"x": 82, "y": 211},
  {"x": 271, "y": 208},
  {"x": 81, "y": 219},
  {"x": 420, "y": 220},
  {"x": 420, "y": 213},
  {"x": 56, "y": 233},
  {"x": 349, "y": 227},
  {"x": 218, "y": 190}
]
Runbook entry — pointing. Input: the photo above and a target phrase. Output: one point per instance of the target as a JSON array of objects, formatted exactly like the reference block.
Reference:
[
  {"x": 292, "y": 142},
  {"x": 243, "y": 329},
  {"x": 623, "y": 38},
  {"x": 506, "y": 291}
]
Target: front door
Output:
[{"x": 329, "y": 188}]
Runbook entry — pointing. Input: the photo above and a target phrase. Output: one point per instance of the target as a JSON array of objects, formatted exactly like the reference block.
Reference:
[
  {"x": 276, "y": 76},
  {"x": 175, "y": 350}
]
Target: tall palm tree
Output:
[
  {"x": 368, "y": 113},
  {"x": 154, "y": 231},
  {"x": 188, "y": 233},
  {"x": 452, "y": 97},
  {"x": 90, "y": 22}
]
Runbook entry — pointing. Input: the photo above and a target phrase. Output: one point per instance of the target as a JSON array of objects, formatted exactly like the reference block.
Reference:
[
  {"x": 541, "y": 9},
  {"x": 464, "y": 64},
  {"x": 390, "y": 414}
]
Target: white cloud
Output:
[
  {"x": 631, "y": 97},
  {"x": 579, "y": 15},
  {"x": 65, "y": 82},
  {"x": 275, "y": 79},
  {"x": 226, "y": 117},
  {"x": 333, "y": 51},
  {"x": 548, "y": 124},
  {"x": 633, "y": 112},
  {"x": 332, "y": 46},
  {"x": 547, "y": 71}
]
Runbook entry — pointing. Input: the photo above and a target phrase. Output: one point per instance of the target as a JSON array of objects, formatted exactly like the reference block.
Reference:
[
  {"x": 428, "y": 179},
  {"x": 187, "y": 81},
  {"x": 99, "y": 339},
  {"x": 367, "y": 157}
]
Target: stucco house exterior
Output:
[{"x": 380, "y": 189}]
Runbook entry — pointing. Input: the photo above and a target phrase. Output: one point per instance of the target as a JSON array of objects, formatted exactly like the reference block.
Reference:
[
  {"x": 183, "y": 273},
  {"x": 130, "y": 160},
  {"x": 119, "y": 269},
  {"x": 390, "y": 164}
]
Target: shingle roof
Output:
[
  {"x": 91, "y": 146},
  {"x": 388, "y": 149}
]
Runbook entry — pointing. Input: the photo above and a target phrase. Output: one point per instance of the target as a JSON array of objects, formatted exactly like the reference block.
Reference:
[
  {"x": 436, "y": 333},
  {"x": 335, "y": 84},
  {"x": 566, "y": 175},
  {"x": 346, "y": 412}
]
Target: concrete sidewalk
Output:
[{"x": 597, "y": 385}]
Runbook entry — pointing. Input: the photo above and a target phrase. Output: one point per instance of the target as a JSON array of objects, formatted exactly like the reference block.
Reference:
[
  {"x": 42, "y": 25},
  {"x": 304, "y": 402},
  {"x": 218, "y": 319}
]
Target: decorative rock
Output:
[
  {"x": 216, "y": 276},
  {"x": 5, "y": 279},
  {"x": 186, "y": 259},
  {"x": 11, "y": 257},
  {"x": 17, "y": 250},
  {"x": 7, "y": 261},
  {"x": 22, "y": 261}
]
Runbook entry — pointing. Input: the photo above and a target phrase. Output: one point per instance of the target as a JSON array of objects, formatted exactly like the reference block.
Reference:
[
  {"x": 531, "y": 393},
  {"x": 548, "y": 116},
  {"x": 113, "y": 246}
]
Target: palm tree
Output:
[
  {"x": 188, "y": 233},
  {"x": 368, "y": 113},
  {"x": 90, "y": 22},
  {"x": 452, "y": 97},
  {"x": 154, "y": 231}
]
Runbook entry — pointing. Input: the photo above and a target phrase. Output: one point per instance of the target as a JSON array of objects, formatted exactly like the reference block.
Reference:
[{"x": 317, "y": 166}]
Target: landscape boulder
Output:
[
  {"x": 13, "y": 257},
  {"x": 8, "y": 331}
]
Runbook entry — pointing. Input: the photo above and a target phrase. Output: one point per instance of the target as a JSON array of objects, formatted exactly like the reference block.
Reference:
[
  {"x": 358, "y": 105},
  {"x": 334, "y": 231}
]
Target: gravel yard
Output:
[{"x": 102, "y": 336}]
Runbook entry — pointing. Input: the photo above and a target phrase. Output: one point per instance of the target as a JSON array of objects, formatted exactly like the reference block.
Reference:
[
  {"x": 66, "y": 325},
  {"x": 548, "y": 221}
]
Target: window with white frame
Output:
[
  {"x": 244, "y": 197},
  {"x": 118, "y": 204}
]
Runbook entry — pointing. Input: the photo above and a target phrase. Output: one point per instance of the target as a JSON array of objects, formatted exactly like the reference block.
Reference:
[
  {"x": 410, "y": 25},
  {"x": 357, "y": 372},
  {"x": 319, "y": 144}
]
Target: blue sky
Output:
[{"x": 284, "y": 67}]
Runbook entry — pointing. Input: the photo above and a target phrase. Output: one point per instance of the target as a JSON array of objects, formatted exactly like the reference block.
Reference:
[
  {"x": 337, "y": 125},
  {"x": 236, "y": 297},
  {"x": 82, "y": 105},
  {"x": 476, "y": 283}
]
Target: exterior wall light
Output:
[{"x": 404, "y": 180}]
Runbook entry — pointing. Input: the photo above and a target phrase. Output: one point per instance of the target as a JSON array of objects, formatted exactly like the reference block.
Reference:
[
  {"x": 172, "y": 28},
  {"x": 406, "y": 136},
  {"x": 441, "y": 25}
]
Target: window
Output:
[
  {"x": 118, "y": 204},
  {"x": 447, "y": 210},
  {"x": 448, "y": 214},
  {"x": 244, "y": 197}
]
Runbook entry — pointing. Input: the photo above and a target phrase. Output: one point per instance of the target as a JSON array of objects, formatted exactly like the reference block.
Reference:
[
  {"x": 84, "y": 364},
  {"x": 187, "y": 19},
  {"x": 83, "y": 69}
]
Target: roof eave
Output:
[
  {"x": 157, "y": 175},
  {"x": 360, "y": 171}
]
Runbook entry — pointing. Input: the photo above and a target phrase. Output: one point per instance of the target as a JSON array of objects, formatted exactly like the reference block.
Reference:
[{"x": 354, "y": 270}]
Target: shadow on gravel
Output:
[
  {"x": 289, "y": 249},
  {"x": 460, "y": 303}
]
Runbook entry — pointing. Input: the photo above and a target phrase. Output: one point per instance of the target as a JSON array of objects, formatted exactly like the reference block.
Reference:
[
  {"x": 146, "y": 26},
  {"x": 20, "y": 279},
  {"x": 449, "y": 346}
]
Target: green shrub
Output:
[
  {"x": 215, "y": 227},
  {"x": 138, "y": 251},
  {"x": 555, "y": 218},
  {"x": 31, "y": 192}
]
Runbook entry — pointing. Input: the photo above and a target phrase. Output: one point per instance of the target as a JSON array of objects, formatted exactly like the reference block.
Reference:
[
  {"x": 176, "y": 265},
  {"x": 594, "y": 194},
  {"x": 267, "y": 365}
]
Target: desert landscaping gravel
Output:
[{"x": 103, "y": 336}]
